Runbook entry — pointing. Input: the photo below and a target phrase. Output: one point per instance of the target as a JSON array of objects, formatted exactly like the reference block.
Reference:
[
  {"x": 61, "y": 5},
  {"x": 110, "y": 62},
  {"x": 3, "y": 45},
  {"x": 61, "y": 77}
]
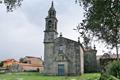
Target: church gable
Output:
[
  {"x": 66, "y": 50},
  {"x": 65, "y": 40}
]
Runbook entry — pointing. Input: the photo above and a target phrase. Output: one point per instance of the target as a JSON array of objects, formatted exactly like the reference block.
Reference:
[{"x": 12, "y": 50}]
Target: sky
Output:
[{"x": 21, "y": 31}]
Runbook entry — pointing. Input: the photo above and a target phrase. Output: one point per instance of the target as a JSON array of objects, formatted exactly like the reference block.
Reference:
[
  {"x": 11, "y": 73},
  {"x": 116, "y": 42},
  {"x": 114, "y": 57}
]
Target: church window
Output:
[
  {"x": 52, "y": 12},
  {"x": 50, "y": 24},
  {"x": 61, "y": 49},
  {"x": 50, "y": 27}
]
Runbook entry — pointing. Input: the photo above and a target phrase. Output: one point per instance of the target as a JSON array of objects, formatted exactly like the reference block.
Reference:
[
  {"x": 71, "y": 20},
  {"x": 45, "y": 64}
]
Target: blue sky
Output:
[{"x": 21, "y": 31}]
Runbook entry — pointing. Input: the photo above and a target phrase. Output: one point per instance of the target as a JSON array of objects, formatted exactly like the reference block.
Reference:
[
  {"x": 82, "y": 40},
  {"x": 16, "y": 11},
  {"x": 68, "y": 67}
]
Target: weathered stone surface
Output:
[
  {"x": 62, "y": 55},
  {"x": 90, "y": 62},
  {"x": 60, "y": 51}
]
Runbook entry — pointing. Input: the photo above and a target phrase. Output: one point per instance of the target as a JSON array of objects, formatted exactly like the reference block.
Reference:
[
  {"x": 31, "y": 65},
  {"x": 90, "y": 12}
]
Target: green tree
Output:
[
  {"x": 11, "y": 4},
  {"x": 113, "y": 69},
  {"x": 1, "y": 64},
  {"x": 102, "y": 20}
]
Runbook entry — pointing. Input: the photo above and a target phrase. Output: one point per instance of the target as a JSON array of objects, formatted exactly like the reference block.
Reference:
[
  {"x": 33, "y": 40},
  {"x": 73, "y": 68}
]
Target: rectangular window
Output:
[{"x": 61, "y": 49}]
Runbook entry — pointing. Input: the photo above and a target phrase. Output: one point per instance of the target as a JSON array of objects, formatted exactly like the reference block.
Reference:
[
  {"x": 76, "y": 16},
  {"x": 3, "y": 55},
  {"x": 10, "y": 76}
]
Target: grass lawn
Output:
[{"x": 37, "y": 76}]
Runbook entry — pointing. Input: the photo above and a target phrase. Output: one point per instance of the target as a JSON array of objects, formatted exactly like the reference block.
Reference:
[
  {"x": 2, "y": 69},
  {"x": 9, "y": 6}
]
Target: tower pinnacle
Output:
[
  {"x": 52, "y": 7},
  {"x": 52, "y": 4},
  {"x": 52, "y": 11}
]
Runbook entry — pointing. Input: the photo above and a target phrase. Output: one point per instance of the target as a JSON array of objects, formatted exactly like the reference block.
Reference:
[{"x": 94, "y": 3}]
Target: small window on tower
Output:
[
  {"x": 50, "y": 24},
  {"x": 53, "y": 13}
]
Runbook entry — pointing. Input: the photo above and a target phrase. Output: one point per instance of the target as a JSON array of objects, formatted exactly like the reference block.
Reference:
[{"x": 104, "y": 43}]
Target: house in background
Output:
[
  {"x": 31, "y": 60},
  {"x": 27, "y": 63},
  {"x": 21, "y": 67},
  {"x": 30, "y": 63},
  {"x": 8, "y": 62},
  {"x": 107, "y": 58},
  {"x": 103, "y": 60}
]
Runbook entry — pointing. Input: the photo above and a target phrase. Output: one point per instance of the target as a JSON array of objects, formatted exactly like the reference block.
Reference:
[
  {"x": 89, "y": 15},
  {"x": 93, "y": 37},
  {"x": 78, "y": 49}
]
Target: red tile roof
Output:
[
  {"x": 9, "y": 60},
  {"x": 32, "y": 57},
  {"x": 32, "y": 65}
]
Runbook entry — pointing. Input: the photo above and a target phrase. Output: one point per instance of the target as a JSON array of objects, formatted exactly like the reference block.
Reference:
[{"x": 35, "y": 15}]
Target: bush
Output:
[
  {"x": 113, "y": 69},
  {"x": 107, "y": 77}
]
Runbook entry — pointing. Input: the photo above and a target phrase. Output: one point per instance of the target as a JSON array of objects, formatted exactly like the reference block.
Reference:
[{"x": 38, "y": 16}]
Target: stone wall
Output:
[
  {"x": 71, "y": 55},
  {"x": 90, "y": 61}
]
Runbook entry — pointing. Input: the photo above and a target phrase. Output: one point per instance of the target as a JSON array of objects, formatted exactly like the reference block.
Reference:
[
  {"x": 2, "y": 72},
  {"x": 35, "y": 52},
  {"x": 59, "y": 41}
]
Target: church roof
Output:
[
  {"x": 52, "y": 7},
  {"x": 32, "y": 57},
  {"x": 69, "y": 40}
]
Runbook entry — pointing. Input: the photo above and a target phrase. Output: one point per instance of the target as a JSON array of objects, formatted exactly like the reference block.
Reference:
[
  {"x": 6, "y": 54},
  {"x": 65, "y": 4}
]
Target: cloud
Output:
[
  {"x": 21, "y": 32},
  {"x": 18, "y": 36}
]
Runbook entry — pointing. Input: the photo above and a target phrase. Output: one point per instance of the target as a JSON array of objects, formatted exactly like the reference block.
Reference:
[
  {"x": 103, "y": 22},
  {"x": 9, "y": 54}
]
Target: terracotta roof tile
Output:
[{"x": 32, "y": 65}]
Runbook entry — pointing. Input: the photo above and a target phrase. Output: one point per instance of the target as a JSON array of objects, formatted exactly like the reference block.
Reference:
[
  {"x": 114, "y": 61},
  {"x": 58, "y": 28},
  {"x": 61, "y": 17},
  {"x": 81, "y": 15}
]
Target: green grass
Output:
[{"x": 37, "y": 76}]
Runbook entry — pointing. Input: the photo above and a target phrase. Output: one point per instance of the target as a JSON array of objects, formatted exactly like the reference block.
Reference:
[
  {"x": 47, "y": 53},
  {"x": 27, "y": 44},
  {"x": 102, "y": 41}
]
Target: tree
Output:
[
  {"x": 1, "y": 64},
  {"x": 21, "y": 60},
  {"x": 11, "y": 4},
  {"x": 102, "y": 20},
  {"x": 113, "y": 69}
]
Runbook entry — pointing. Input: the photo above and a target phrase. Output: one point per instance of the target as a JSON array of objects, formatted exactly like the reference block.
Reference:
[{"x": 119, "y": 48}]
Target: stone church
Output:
[{"x": 62, "y": 56}]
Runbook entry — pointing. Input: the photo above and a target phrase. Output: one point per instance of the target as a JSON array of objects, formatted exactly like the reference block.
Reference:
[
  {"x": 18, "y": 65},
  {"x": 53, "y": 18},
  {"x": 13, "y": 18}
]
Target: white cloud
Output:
[
  {"x": 21, "y": 32},
  {"x": 18, "y": 36}
]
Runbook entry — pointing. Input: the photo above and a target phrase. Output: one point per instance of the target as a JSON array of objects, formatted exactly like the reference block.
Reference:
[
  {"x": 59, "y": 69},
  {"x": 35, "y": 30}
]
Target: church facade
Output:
[{"x": 62, "y": 56}]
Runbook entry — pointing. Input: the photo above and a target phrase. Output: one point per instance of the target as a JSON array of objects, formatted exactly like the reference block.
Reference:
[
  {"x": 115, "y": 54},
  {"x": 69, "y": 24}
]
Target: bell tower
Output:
[
  {"x": 50, "y": 34},
  {"x": 51, "y": 25}
]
